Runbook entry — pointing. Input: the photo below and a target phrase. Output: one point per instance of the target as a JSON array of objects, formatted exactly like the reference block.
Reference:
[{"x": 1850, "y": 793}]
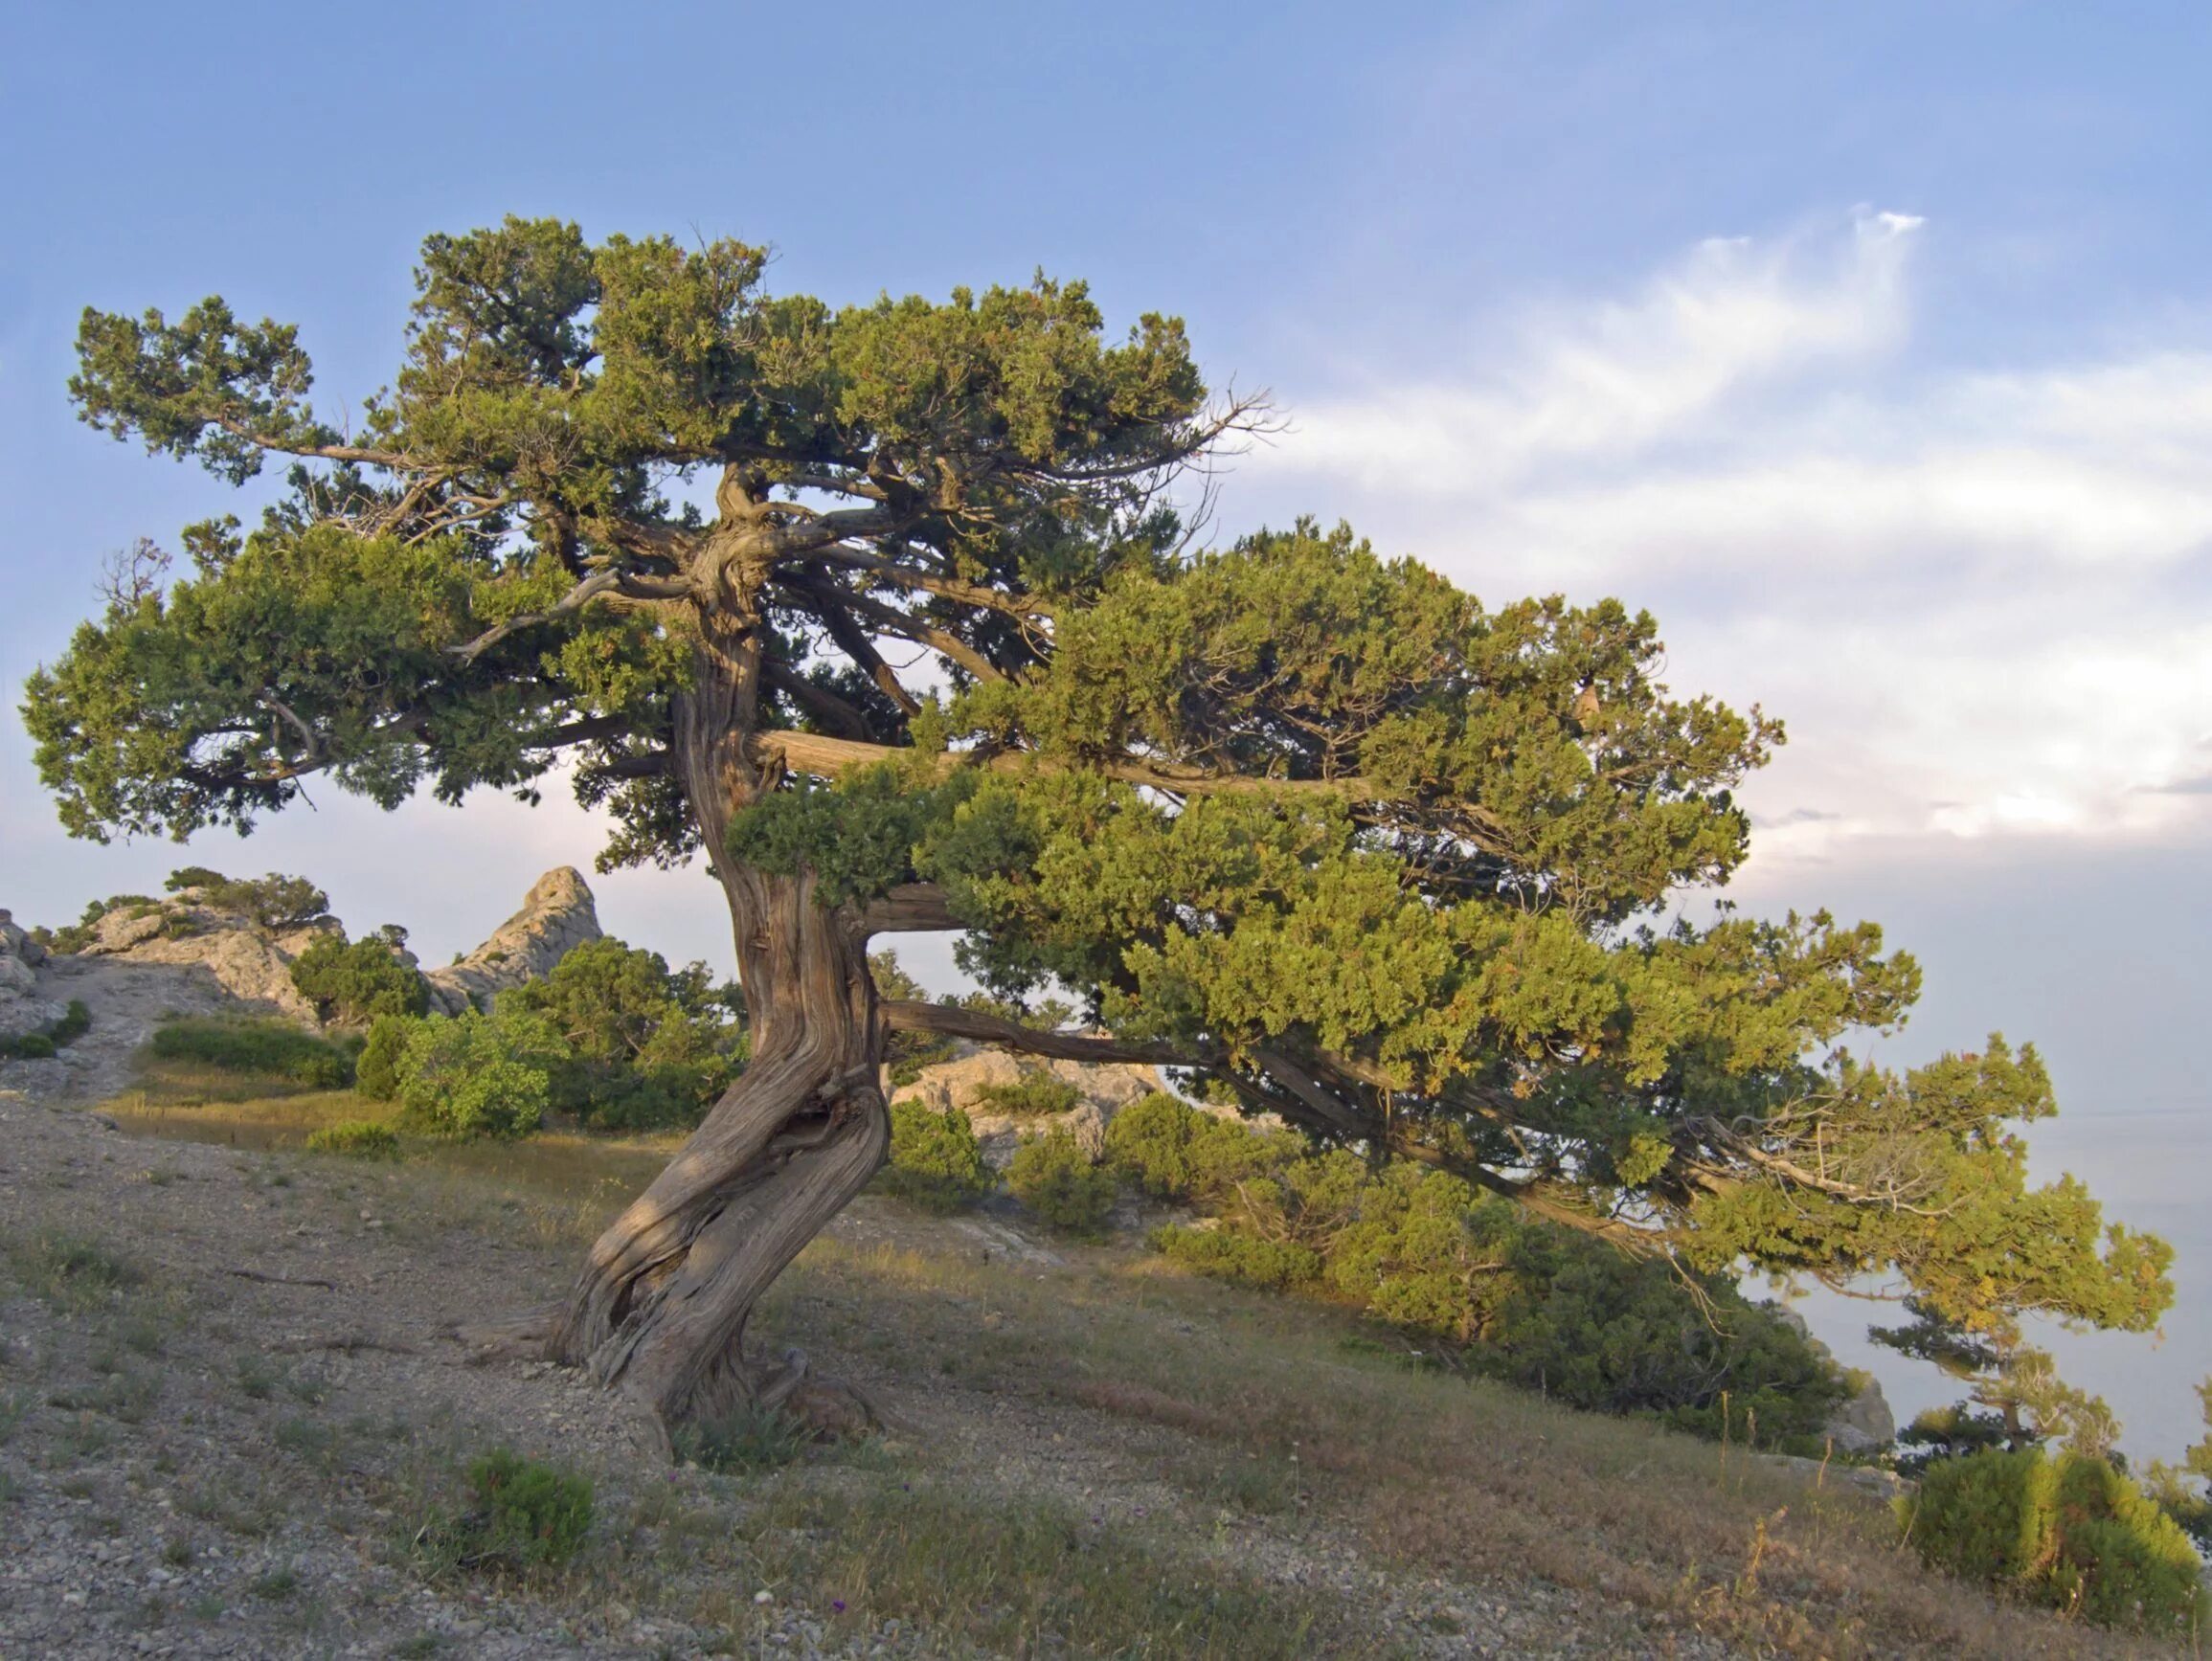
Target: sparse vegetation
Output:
[
  {"x": 275, "y": 902},
  {"x": 747, "y": 1440},
  {"x": 42, "y": 1045}
]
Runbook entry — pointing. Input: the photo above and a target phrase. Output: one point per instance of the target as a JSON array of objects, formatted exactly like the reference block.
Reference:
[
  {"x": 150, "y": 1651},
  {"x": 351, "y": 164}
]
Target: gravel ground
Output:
[{"x": 224, "y": 1437}]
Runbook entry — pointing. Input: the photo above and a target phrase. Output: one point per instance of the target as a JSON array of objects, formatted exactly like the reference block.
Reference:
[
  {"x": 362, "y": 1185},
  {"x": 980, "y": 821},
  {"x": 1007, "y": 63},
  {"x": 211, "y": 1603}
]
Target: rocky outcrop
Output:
[
  {"x": 1102, "y": 1092},
  {"x": 556, "y": 916},
  {"x": 252, "y": 963},
  {"x": 23, "y": 1007},
  {"x": 1864, "y": 1423}
]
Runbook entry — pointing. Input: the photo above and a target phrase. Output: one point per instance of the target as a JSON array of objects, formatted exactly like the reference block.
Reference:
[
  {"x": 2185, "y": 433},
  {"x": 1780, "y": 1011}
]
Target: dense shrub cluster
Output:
[
  {"x": 479, "y": 1075},
  {"x": 1511, "y": 1296},
  {"x": 270, "y": 1048},
  {"x": 2071, "y": 1532},
  {"x": 646, "y": 1046},
  {"x": 936, "y": 1160},
  {"x": 612, "y": 1038},
  {"x": 1054, "y": 1177},
  {"x": 353, "y": 983}
]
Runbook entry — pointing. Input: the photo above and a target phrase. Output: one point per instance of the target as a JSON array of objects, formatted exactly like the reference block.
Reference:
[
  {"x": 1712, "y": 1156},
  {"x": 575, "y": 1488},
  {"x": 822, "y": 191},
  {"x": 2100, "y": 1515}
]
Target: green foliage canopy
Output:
[{"x": 1311, "y": 823}]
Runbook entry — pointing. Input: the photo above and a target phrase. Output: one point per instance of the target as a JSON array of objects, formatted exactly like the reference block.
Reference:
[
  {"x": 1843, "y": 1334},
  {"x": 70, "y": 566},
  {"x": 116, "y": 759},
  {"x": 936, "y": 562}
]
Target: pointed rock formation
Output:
[
  {"x": 556, "y": 916},
  {"x": 22, "y": 1010}
]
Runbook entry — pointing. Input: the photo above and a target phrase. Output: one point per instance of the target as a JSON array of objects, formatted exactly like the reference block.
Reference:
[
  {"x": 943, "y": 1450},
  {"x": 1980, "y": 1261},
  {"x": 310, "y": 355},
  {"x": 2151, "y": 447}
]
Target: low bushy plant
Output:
[
  {"x": 2071, "y": 1532},
  {"x": 361, "y": 1138},
  {"x": 936, "y": 1160},
  {"x": 527, "y": 1515},
  {"x": 1034, "y": 1095},
  {"x": 377, "y": 1067},
  {"x": 479, "y": 1075},
  {"x": 43, "y": 1046},
  {"x": 352, "y": 984},
  {"x": 269, "y": 1048},
  {"x": 1057, "y": 1178}
]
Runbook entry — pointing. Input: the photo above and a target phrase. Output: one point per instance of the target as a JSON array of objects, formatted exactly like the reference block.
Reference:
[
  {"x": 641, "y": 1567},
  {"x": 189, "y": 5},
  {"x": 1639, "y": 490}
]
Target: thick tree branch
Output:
[
  {"x": 818, "y": 753},
  {"x": 891, "y": 570},
  {"x": 853, "y": 641},
  {"x": 818, "y": 701},
  {"x": 911, "y": 908},
  {"x": 908, "y": 1015}
]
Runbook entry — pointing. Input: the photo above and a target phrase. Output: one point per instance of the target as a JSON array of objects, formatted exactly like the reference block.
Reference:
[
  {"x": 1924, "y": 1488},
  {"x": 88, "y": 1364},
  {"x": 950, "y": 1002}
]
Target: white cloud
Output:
[
  {"x": 1617, "y": 376},
  {"x": 1970, "y": 592}
]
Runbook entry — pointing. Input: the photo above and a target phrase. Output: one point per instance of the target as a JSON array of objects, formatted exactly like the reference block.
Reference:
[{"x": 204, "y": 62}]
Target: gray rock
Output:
[
  {"x": 23, "y": 1008},
  {"x": 1865, "y": 1424},
  {"x": 558, "y": 915}
]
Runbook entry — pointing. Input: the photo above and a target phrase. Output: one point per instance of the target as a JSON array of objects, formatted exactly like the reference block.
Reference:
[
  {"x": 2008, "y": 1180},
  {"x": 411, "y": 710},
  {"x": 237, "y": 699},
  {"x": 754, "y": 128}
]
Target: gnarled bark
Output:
[{"x": 660, "y": 1311}]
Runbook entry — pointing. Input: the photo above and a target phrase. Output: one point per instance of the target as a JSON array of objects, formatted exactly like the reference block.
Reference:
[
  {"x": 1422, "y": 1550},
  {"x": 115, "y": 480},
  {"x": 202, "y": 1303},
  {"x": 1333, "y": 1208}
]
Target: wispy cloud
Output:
[{"x": 1978, "y": 597}]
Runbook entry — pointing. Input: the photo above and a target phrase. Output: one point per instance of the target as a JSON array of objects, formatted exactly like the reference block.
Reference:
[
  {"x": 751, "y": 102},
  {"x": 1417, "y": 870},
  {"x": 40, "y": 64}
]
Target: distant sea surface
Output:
[{"x": 2152, "y": 1167}]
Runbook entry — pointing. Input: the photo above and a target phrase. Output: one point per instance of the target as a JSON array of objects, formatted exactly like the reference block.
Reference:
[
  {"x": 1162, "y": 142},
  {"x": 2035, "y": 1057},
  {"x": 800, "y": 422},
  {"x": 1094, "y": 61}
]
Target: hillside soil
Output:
[{"x": 234, "y": 1420}]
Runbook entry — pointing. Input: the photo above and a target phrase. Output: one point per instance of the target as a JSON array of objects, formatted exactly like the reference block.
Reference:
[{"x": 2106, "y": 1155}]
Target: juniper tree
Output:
[{"x": 882, "y": 610}]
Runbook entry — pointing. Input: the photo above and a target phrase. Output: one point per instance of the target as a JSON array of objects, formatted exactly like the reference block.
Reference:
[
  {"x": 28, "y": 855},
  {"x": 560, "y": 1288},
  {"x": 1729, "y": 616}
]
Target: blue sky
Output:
[{"x": 1870, "y": 347}]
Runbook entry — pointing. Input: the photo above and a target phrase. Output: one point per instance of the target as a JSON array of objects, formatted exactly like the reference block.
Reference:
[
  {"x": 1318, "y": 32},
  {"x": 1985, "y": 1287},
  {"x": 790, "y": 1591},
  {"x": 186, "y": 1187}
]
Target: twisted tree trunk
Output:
[
  {"x": 660, "y": 1311},
  {"x": 661, "y": 1308}
]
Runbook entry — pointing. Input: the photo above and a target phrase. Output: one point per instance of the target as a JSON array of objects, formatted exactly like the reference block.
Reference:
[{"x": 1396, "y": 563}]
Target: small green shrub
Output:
[
  {"x": 377, "y": 1067},
  {"x": 748, "y": 1440},
  {"x": 1053, "y": 1177},
  {"x": 1174, "y": 1151},
  {"x": 271, "y": 1047},
  {"x": 361, "y": 1138},
  {"x": 1245, "y": 1258},
  {"x": 936, "y": 1160},
  {"x": 527, "y": 1515},
  {"x": 479, "y": 1075},
  {"x": 353, "y": 984},
  {"x": 1036, "y": 1095},
  {"x": 275, "y": 901},
  {"x": 2073, "y": 1532},
  {"x": 42, "y": 1045}
]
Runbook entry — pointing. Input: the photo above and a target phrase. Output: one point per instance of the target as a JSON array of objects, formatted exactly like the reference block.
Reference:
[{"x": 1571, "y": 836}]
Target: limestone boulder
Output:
[
  {"x": 558, "y": 915},
  {"x": 23, "y": 1006},
  {"x": 1864, "y": 1423}
]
